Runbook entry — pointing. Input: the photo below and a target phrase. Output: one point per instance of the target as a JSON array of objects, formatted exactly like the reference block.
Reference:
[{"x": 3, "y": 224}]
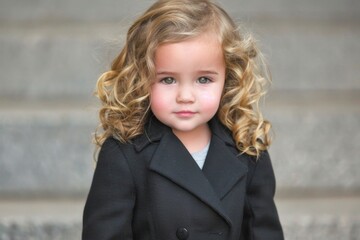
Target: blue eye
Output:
[
  {"x": 168, "y": 80},
  {"x": 203, "y": 80}
]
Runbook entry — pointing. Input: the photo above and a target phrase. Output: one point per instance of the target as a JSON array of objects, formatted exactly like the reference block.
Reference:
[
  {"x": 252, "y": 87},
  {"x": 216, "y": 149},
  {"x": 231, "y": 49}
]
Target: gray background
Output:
[{"x": 52, "y": 52}]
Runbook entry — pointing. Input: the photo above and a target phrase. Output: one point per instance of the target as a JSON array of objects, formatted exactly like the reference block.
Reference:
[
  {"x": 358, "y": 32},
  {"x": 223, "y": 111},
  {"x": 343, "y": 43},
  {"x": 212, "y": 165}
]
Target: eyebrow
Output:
[
  {"x": 200, "y": 72},
  {"x": 209, "y": 72}
]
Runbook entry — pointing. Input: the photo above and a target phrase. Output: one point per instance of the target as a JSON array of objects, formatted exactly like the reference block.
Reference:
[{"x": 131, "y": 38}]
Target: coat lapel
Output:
[
  {"x": 174, "y": 162},
  {"x": 222, "y": 168}
]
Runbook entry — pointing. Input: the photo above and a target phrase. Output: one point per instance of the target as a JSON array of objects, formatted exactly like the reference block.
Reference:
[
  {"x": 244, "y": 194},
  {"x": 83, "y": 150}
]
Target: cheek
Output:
[
  {"x": 158, "y": 100},
  {"x": 156, "y": 105},
  {"x": 211, "y": 100},
  {"x": 209, "y": 97},
  {"x": 212, "y": 96}
]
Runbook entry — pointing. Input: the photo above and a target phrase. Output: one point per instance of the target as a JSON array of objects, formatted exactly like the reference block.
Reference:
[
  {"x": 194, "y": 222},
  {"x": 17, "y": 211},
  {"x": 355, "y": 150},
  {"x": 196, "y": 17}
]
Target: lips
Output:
[{"x": 185, "y": 113}]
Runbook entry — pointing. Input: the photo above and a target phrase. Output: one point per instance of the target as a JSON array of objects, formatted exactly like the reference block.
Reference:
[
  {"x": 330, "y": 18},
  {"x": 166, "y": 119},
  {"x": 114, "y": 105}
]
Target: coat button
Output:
[{"x": 182, "y": 233}]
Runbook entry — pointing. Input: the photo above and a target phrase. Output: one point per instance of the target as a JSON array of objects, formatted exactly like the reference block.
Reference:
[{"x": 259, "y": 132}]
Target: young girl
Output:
[{"x": 184, "y": 148}]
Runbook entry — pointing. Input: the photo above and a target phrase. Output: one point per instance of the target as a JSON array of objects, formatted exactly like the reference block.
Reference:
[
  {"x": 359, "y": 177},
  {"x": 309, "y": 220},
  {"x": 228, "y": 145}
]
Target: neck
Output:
[{"x": 196, "y": 139}]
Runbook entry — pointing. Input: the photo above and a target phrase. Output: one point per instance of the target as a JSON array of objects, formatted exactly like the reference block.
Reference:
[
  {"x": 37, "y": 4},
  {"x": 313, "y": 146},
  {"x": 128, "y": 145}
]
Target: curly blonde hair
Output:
[{"x": 124, "y": 89}]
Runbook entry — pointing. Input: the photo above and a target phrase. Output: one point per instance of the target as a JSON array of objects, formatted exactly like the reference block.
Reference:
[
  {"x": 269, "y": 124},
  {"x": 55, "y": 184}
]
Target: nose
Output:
[{"x": 185, "y": 94}]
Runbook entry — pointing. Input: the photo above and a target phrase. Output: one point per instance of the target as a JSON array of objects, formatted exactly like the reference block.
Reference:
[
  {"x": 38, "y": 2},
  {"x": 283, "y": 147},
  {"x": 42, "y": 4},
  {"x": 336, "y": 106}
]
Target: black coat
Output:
[{"x": 152, "y": 189}]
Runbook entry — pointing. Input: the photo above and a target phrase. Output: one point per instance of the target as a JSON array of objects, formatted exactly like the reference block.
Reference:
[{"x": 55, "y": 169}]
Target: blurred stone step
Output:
[
  {"x": 44, "y": 63},
  {"x": 302, "y": 218},
  {"x": 40, "y": 219},
  {"x": 312, "y": 56},
  {"x": 325, "y": 218},
  {"x": 316, "y": 140},
  {"x": 109, "y": 10},
  {"x": 65, "y": 61},
  {"x": 46, "y": 149},
  {"x": 67, "y": 10}
]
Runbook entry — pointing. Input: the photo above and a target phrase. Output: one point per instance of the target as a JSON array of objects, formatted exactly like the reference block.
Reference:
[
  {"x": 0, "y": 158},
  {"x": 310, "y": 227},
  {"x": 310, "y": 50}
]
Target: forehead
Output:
[
  {"x": 203, "y": 40},
  {"x": 200, "y": 53}
]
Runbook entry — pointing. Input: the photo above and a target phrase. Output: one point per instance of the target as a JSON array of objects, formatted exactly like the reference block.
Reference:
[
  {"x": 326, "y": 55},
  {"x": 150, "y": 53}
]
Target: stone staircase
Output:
[{"x": 51, "y": 53}]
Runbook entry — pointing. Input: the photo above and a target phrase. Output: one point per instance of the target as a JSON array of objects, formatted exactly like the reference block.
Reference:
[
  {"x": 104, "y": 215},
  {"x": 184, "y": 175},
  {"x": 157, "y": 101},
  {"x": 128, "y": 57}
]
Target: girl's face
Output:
[{"x": 190, "y": 78}]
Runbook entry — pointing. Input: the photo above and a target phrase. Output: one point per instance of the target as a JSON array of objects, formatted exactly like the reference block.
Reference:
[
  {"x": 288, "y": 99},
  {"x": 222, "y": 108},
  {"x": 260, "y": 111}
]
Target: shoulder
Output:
[
  {"x": 113, "y": 152},
  {"x": 261, "y": 170},
  {"x": 138, "y": 148},
  {"x": 109, "y": 149},
  {"x": 111, "y": 145}
]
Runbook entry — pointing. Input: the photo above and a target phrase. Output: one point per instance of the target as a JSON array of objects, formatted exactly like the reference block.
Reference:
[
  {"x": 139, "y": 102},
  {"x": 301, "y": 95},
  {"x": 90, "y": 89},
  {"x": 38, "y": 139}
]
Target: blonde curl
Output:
[{"x": 246, "y": 80}]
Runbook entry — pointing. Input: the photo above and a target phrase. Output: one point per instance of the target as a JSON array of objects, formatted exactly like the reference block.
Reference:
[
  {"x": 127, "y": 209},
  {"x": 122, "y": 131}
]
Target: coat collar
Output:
[
  {"x": 154, "y": 130},
  {"x": 221, "y": 171}
]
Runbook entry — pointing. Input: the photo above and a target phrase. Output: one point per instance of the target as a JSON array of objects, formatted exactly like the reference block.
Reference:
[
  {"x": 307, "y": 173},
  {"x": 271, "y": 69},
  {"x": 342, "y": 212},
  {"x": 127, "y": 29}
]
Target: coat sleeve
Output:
[
  {"x": 261, "y": 220},
  {"x": 110, "y": 202}
]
